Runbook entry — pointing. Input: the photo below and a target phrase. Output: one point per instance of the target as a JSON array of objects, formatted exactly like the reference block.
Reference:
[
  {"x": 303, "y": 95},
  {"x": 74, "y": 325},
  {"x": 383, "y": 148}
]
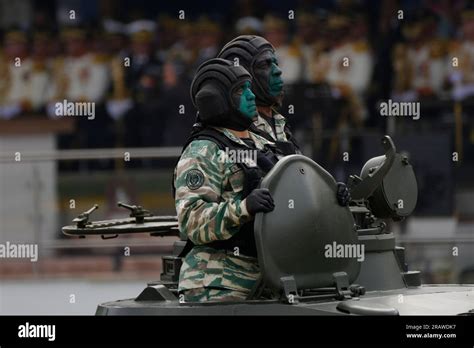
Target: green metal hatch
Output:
[{"x": 292, "y": 239}]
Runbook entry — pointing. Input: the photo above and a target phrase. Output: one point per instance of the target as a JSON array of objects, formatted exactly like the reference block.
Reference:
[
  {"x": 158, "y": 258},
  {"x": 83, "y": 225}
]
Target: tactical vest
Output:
[{"x": 244, "y": 239}]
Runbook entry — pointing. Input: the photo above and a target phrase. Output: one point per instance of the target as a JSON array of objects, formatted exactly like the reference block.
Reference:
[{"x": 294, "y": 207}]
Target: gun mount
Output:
[
  {"x": 136, "y": 211},
  {"x": 83, "y": 219}
]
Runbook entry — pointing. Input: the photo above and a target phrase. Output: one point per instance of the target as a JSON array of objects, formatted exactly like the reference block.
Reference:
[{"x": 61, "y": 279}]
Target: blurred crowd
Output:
[{"x": 137, "y": 70}]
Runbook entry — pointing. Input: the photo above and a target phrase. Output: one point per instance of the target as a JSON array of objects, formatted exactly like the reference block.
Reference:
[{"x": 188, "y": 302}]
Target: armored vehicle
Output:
[{"x": 316, "y": 257}]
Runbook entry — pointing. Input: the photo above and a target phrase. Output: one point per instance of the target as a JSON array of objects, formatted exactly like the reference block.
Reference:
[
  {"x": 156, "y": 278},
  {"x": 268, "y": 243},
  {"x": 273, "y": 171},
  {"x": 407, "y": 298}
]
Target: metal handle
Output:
[{"x": 363, "y": 188}]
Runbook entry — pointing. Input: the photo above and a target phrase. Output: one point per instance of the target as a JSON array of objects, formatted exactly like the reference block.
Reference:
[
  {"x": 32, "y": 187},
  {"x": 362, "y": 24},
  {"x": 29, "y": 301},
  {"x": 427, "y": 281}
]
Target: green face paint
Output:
[
  {"x": 275, "y": 82},
  {"x": 247, "y": 104}
]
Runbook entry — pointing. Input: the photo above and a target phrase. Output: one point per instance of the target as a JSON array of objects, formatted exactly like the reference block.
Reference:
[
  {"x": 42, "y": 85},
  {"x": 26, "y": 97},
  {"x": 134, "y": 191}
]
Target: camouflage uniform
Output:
[
  {"x": 280, "y": 122},
  {"x": 210, "y": 207}
]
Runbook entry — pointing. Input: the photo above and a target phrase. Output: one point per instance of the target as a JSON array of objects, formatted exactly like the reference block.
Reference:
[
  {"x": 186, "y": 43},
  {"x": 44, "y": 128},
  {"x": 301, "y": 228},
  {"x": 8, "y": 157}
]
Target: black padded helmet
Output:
[
  {"x": 246, "y": 48},
  {"x": 211, "y": 93}
]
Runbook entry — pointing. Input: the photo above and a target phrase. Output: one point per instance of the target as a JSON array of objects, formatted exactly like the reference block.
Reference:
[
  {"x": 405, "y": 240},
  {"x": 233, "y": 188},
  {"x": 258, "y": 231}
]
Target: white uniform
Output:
[
  {"x": 309, "y": 56},
  {"x": 350, "y": 70},
  {"x": 351, "y": 65},
  {"x": 462, "y": 76},
  {"x": 86, "y": 79},
  {"x": 25, "y": 83},
  {"x": 428, "y": 71},
  {"x": 290, "y": 63}
]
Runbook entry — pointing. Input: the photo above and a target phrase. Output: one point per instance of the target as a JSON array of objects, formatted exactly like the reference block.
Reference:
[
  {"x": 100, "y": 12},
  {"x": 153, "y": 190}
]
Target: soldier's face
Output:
[
  {"x": 245, "y": 99},
  {"x": 268, "y": 73}
]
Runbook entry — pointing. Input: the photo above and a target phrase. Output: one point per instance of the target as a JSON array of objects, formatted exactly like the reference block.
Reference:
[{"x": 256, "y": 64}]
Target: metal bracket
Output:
[
  {"x": 83, "y": 218},
  {"x": 290, "y": 289},
  {"x": 341, "y": 280},
  {"x": 136, "y": 211},
  {"x": 171, "y": 268},
  {"x": 345, "y": 291},
  {"x": 156, "y": 293},
  {"x": 105, "y": 237}
]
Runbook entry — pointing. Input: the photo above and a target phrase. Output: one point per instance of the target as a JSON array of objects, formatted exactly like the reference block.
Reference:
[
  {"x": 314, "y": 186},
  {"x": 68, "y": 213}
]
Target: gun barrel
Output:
[
  {"x": 124, "y": 205},
  {"x": 88, "y": 212}
]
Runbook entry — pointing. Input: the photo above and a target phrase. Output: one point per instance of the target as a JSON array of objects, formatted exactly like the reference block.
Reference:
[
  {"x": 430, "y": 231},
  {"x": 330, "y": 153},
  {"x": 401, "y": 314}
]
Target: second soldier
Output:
[{"x": 216, "y": 197}]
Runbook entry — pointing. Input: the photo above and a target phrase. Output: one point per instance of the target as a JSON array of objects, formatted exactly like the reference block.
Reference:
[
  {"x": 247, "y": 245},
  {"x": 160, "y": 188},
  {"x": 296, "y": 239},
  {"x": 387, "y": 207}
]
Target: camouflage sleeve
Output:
[{"x": 204, "y": 215}]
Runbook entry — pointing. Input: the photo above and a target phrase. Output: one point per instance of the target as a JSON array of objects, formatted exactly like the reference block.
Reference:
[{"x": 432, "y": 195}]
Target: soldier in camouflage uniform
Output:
[
  {"x": 257, "y": 56},
  {"x": 214, "y": 202}
]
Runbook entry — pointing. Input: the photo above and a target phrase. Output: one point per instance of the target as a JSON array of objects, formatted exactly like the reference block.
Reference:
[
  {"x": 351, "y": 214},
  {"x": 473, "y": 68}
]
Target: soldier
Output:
[
  {"x": 118, "y": 101},
  {"x": 419, "y": 65},
  {"x": 12, "y": 83},
  {"x": 82, "y": 76},
  {"x": 460, "y": 78},
  {"x": 351, "y": 64},
  {"x": 289, "y": 56},
  {"x": 208, "y": 40},
  {"x": 25, "y": 78},
  {"x": 316, "y": 107},
  {"x": 168, "y": 32},
  {"x": 216, "y": 198},
  {"x": 41, "y": 76},
  {"x": 257, "y": 56},
  {"x": 308, "y": 42},
  {"x": 143, "y": 80},
  {"x": 184, "y": 51},
  {"x": 116, "y": 42},
  {"x": 461, "y": 75}
]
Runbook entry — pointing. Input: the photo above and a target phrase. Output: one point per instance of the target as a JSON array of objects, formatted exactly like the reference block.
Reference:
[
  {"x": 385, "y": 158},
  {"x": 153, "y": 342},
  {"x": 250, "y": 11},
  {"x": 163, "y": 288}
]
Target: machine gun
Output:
[{"x": 140, "y": 221}]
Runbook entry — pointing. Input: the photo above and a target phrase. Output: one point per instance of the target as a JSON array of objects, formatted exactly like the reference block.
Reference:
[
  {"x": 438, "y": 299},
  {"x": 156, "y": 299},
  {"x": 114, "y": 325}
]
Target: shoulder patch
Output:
[{"x": 194, "y": 179}]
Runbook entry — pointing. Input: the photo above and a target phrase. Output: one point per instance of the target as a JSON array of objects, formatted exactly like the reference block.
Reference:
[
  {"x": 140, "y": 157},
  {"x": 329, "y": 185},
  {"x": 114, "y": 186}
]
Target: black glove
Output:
[
  {"x": 343, "y": 195},
  {"x": 259, "y": 201}
]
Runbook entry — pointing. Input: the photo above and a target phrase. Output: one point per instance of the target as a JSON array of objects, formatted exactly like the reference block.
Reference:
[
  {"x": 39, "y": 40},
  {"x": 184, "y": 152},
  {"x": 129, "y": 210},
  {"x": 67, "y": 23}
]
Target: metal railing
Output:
[{"x": 92, "y": 154}]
